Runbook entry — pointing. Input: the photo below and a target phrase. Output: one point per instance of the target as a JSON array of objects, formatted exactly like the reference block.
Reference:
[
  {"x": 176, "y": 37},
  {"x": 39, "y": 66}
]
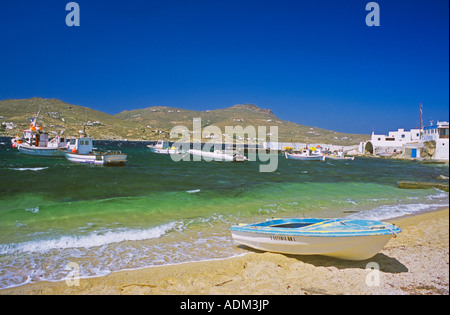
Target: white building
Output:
[
  {"x": 8, "y": 126},
  {"x": 410, "y": 143},
  {"x": 395, "y": 143},
  {"x": 440, "y": 134}
]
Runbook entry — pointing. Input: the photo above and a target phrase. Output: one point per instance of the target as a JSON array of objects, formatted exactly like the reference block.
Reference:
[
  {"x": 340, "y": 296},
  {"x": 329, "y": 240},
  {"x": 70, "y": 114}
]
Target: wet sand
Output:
[{"x": 415, "y": 262}]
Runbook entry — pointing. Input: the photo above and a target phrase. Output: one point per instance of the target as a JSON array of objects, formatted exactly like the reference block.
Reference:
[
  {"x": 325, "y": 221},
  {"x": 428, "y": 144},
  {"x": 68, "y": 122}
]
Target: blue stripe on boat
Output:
[{"x": 319, "y": 227}]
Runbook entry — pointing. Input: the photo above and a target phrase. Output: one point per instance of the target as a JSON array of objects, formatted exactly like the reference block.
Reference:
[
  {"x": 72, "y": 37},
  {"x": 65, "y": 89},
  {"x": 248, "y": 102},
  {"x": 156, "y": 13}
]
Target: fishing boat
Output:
[
  {"x": 163, "y": 147},
  {"x": 35, "y": 141},
  {"x": 81, "y": 150},
  {"x": 340, "y": 156},
  {"x": 305, "y": 154},
  {"x": 339, "y": 238},
  {"x": 219, "y": 155}
]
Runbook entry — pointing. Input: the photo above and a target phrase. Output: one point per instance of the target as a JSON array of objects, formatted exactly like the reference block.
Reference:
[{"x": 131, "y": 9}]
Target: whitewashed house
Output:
[
  {"x": 440, "y": 134},
  {"x": 9, "y": 126},
  {"x": 396, "y": 142}
]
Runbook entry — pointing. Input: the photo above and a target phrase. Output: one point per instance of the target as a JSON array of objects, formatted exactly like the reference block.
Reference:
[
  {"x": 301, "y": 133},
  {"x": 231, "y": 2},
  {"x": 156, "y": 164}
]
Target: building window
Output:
[{"x": 443, "y": 133}]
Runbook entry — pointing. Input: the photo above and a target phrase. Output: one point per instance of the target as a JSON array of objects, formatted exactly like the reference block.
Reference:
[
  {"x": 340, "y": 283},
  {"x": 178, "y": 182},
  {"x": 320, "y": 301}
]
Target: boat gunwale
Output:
[
  {"x": 29, "y": 147},
  {"x": 266, "y": 228},
  {"x": 93, "y": 153}
]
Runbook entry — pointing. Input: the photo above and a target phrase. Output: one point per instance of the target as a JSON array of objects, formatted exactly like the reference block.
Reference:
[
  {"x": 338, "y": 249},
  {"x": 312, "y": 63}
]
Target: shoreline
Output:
[
  {"x": 254, "y": 146},
  {"x": 415, "y": 262}
]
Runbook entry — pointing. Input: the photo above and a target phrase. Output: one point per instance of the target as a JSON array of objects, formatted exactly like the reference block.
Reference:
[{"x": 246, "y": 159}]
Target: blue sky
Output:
[{"x": 313, "y": 62}]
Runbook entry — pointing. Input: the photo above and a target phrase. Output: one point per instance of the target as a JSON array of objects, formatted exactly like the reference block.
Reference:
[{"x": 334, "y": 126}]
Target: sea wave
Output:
[
  {"x": 94, "y": 239},
  {"x": 394, "y": 211}
]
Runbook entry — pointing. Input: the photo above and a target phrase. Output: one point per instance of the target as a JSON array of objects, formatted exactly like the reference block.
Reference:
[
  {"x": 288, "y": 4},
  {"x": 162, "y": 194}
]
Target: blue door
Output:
[{"x": 414, "y": 153}]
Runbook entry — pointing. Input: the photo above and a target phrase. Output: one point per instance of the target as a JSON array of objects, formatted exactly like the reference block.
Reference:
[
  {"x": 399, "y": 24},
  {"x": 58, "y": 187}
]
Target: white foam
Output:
[
  {"x": 32, "y": 210},
  {"x": 393, "y": 211},
  {"x": 94, "y": 239},
  {"x": 35, "y": 169},
  {"x": 439, "y": 195},
  {"x": 193, "y": 191}
]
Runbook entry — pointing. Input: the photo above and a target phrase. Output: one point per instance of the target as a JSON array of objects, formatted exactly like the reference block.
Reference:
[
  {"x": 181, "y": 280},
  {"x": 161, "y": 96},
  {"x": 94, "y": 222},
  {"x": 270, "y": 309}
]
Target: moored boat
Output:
[
  {"x": 163, "y": 147},
  {"x": 219, "y": 155},
  {"x": 81, "y": 150},
  {"x": 339, "y": 156},
  {"x": 339, "y": 238},
  {"x": 305, "y": 154},
  {"x": 35, "y": 141}
]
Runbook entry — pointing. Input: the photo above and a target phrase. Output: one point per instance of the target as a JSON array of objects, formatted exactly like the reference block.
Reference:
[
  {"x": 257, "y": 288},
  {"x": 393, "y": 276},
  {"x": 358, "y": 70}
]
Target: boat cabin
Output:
[
  {"x": 305, "y": 152},
  {"x": 81, "y": 145},
  {"x": 39, "y": 139},
  {"x": 162, "y": 144},
  {"x": 310, "y": 151}
]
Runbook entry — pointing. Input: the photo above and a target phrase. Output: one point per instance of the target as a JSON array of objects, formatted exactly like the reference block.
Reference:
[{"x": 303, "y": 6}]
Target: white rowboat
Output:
[{"x": 339, "y": 238}]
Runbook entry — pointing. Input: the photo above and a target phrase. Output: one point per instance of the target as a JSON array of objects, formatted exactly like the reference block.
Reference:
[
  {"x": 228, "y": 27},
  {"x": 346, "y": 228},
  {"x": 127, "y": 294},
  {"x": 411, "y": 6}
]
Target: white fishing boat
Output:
[
  {"x": 305, "y": 154},
  {"x": 35, "y": 141},
  {"x": 163, "y": 147},
  {"x": 340, "y": 156},
  {"x": 81, "y": 150},
  {"x": 219, "y": 155},
  {"x": 339, "y": 238}
]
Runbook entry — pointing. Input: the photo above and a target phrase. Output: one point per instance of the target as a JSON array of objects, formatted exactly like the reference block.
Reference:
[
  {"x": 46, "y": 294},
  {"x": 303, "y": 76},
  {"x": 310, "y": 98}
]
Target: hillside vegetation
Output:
[{"x": 155, "y": 122}]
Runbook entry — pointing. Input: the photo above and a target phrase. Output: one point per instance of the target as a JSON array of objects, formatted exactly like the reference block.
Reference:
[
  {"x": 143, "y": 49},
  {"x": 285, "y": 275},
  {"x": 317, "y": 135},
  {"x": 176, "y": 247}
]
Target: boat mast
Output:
[
  {"x": 34, "y": 121},
  {"x": 420, "y": 120}
]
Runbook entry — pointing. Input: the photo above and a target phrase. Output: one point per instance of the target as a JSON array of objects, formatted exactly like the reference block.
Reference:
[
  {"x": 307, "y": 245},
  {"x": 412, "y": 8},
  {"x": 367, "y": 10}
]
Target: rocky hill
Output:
[
  {"x": 57, "y": 116},
  {"x": 154, "y": 122}
]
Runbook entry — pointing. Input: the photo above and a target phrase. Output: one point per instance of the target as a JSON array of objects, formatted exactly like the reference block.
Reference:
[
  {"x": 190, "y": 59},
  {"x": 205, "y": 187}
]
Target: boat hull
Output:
[
  {"x": 96, "y": 158},
  {"x": 40, "y": 151},
  {"x": 343, "y": 239},
  {"x": 217, "y": 156},
  {"x": 164, "y": 151},
  {"x": 348, "y": 248}
]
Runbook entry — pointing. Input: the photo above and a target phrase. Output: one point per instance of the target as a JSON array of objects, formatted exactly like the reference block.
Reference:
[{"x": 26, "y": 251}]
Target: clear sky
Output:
[{"x": 313, "y": 62}]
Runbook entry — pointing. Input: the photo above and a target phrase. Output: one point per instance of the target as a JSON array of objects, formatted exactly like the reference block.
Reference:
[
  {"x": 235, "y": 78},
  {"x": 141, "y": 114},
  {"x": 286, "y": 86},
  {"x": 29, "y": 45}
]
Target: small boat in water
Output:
[
  {"x": 340, "y": 156},
  {"x": 163, "y": 147},
  {"x": 339, "y": 238},
  {"x": 35, "y": 141},
  {"x": 81, "y": 150},
  {"x": 219, "y": 155},
  {"x": 305, "y": 154}
]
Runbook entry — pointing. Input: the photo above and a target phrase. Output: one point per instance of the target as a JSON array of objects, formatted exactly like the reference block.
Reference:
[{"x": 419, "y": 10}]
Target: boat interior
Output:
[{"x": 289, "y": 223}]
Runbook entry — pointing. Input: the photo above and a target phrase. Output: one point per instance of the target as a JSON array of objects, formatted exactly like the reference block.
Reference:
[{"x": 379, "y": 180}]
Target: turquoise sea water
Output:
[{"x": 154, "y": 211}]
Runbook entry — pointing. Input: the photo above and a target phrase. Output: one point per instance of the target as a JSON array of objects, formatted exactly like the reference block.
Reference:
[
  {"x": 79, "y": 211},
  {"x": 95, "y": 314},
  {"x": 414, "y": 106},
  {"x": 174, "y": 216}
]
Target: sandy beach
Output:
[{"x": 415, "y": 262}]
